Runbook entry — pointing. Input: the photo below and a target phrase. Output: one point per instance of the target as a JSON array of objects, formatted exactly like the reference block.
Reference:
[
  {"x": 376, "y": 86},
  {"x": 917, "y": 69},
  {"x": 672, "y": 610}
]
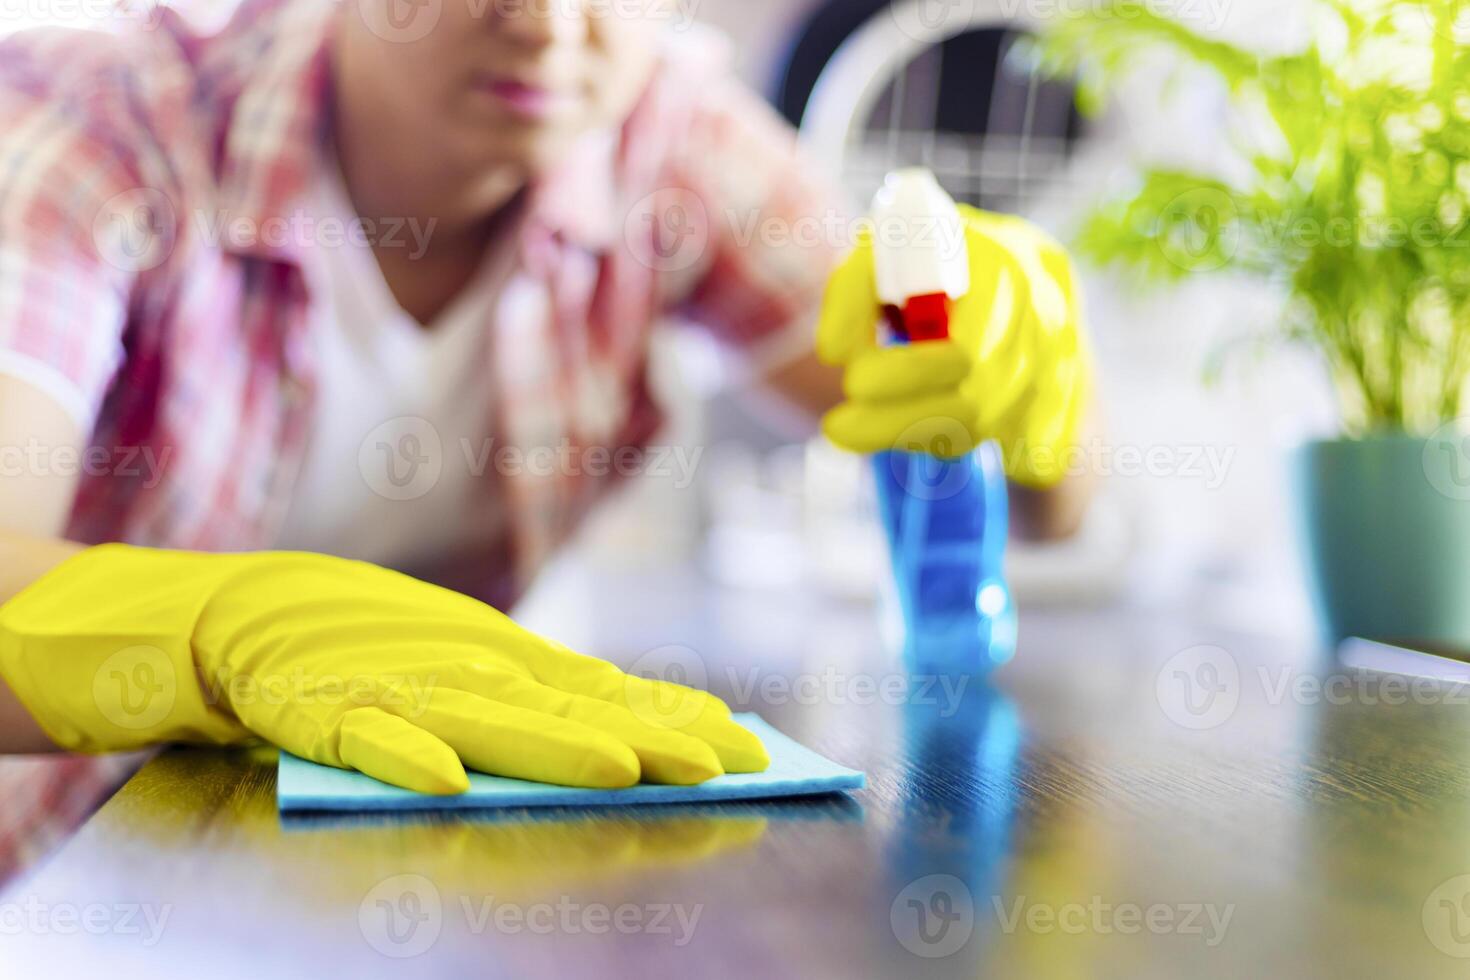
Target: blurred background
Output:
[
  {"x": 1193, "y": 466},
  {"x": 1194, "y": 459}
]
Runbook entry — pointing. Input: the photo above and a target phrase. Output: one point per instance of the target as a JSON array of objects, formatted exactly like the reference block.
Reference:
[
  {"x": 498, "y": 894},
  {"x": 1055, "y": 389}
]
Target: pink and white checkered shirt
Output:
[{"x": 124, "y": 153}]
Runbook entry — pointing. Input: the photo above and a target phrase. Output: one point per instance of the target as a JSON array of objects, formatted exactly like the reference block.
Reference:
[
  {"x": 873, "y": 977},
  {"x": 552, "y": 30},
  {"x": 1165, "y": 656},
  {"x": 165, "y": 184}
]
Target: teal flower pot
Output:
[{"x": 1385, "y": 526}]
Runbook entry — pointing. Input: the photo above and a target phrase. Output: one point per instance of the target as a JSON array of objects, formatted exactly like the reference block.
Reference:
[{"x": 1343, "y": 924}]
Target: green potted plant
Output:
[{"x": 1358, "y": 203}]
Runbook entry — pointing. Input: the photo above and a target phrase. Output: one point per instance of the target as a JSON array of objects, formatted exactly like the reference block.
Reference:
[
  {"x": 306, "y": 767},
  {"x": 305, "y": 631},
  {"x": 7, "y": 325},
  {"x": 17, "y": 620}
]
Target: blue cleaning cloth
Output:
[{"x": 795, "y": 771}]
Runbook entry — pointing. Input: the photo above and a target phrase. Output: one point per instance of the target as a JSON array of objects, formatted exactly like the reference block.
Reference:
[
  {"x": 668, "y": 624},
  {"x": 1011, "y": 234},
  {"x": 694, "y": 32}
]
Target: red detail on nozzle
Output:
[{"x": 927, "y": 317}]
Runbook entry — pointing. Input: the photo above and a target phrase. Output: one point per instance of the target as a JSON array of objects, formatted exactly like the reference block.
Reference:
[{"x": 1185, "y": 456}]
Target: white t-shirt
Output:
[{"x": 402, "y": 411}]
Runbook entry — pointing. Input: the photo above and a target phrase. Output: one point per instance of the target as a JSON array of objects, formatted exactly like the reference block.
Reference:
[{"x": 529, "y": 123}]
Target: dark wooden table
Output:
[{"x": 1143, "y": 794}]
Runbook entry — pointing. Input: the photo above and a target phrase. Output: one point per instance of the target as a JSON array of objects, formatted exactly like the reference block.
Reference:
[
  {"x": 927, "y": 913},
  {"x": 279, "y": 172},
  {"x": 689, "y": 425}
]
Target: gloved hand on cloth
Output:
[{"x": 346, "y": 664}]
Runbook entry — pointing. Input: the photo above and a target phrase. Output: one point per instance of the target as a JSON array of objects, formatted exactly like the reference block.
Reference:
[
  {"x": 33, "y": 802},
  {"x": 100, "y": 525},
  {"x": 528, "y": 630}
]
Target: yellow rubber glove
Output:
[
  {"x": 346, "y": 664},
  {"x": 1014, "y": 370}
]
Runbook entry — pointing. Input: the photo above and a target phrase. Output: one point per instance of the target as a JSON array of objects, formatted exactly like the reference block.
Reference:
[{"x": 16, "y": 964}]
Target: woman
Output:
[{"x": 260, "y": 288}]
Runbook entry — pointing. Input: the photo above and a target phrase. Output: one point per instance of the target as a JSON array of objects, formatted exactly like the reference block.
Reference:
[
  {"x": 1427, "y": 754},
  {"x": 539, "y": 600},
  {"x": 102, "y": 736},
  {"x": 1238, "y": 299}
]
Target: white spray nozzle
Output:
[{"x": 918, "y": 240}]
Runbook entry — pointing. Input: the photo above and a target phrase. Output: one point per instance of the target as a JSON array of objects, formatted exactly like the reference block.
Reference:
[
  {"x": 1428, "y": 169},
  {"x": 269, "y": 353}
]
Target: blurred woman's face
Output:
[{"x": 502, "y": 82}]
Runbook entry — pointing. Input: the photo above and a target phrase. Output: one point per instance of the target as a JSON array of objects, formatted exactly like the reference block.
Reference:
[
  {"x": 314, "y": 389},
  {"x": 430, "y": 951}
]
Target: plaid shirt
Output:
[{"x": 131, "y": 159}]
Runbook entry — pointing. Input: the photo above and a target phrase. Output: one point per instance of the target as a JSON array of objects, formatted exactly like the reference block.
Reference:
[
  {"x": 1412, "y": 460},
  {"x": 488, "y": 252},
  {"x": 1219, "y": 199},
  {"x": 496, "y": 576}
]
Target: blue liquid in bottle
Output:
[{"x": 946, "y": 522}]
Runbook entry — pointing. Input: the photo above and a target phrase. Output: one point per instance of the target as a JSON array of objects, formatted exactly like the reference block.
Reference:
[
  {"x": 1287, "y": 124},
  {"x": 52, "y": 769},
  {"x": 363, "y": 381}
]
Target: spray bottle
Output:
[{"x": 946, "y": 519}]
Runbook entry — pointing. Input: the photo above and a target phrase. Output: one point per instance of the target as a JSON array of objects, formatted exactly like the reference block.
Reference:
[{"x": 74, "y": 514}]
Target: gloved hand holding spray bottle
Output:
[
  {"x": 983, "y": 376},
  {"x": 945, "y": 519}
]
